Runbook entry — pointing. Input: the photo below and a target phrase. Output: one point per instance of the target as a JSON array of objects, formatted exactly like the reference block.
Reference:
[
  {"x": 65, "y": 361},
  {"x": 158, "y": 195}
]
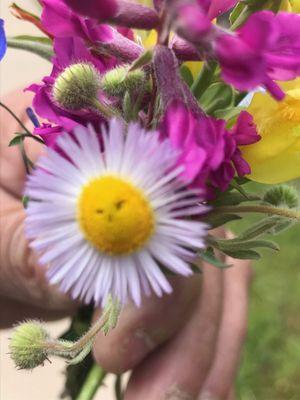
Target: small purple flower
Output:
[
  {"x": 209, "y": 153},
  {"x": 3, "y": 44}
]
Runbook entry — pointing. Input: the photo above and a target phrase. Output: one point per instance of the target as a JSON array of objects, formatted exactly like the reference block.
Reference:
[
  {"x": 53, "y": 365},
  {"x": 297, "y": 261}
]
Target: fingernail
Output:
[{"x": 174, "y": 393}]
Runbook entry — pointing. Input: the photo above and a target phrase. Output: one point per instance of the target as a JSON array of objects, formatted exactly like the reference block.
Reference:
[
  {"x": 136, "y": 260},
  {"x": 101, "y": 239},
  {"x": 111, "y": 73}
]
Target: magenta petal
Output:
[
  {"x": 59, "y": 20},
  {"x": 99, "y": 9},
  {"x": 49, "y": 133},
  {"x": 244, "y": 130},
  {"x": 193, "y": 162}
]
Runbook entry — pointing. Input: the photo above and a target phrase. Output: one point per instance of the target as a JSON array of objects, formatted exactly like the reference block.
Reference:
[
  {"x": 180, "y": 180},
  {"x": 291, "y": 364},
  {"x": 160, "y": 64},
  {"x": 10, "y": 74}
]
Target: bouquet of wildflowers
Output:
[{"x": 153, "y": 118}]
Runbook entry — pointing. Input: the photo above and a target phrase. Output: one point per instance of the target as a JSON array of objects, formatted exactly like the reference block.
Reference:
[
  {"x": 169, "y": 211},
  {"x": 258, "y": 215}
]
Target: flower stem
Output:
[
  {"x": 92, "y": 383},
  {"x": 16, "y": 118},
  {"x": 282, "y": 212}
]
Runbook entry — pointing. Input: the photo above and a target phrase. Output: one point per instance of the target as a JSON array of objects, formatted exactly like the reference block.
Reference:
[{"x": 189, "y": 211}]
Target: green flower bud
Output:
[
  {"x": 77, "y": 87},
  {"x": 27, "y": 345},
  {"x": 282, "y": 195},
  {"x": 119, "y": 80}
]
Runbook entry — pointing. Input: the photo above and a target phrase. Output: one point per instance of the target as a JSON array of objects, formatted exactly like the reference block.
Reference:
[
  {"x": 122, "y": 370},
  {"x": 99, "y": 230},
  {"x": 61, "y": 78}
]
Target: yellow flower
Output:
[
  {"x": 291, "y": 6},
  {"x": 276, "y": 157}
]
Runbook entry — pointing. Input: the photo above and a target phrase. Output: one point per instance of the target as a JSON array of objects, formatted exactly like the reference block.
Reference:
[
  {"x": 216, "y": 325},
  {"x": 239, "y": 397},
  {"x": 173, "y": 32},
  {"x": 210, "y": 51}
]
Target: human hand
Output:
[{"x": 179, "y": 347}]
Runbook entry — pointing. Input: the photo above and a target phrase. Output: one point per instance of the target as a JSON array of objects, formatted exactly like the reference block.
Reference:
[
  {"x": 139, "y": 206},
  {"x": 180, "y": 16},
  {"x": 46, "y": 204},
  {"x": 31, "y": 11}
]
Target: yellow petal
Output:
[{"x": 276, "y": 157}]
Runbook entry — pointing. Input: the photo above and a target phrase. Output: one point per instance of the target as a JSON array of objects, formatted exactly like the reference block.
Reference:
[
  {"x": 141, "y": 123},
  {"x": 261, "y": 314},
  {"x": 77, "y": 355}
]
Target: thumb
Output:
[{"x": 21, "y": 278}]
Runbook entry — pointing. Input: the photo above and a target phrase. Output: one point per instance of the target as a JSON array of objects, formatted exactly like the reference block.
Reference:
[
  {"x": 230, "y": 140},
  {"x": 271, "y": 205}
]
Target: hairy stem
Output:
[{"x": 282, "y": 212}]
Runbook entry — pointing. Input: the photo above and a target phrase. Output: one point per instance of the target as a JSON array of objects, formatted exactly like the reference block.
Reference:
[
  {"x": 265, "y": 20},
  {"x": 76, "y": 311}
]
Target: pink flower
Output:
[
  {"x": 209, "y": 152},
  {"x": 265, "y": 48}
]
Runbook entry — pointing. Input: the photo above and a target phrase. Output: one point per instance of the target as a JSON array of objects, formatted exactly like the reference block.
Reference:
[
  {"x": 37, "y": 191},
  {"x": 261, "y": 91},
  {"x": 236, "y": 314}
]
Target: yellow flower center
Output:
[
  {"x": 114, "y": 215},
  {"x": 290, "y": 106}
]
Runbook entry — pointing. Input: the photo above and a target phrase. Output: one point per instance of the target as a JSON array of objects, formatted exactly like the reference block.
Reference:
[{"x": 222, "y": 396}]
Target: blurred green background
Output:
[{"x": 271, "y": 362}]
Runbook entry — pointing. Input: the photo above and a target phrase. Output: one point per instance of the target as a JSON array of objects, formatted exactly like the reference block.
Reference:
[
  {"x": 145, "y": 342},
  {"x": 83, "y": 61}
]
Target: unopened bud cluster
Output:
[
  {"x": 77, "y": 87},
  {"x": 27, "y": 345},
  {"x": 120, "y": 80}
]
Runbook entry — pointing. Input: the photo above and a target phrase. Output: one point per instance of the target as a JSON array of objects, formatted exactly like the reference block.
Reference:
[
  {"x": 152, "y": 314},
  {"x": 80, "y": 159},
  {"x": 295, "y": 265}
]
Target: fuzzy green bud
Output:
[
  {"x": 118, "y": 81},
  {"x": 282, "y": 195},
  {"x": 77, "y": 87},
  {"x": 27, "y": 345}
]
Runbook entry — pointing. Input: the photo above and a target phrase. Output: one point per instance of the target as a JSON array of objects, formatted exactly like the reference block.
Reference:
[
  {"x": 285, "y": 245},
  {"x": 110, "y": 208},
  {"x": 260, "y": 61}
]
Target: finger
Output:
[
  {"x": 12, "y": 171},
  {"x": 178, "y": 369},
  {"x": 232, "y": 332},
  {"x": 140, "y": 330},
  {"x": 21, "y": 277}
]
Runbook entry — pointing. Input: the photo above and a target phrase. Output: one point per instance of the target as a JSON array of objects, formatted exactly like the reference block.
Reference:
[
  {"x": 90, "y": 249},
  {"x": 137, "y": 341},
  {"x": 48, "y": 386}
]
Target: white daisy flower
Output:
[{"x": 106, "y": 221}]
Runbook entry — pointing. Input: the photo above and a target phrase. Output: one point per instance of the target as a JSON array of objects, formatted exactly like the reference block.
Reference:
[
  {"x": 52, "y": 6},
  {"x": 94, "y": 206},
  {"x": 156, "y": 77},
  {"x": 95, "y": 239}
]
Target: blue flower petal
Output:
[{"x": 2, "y": 39}]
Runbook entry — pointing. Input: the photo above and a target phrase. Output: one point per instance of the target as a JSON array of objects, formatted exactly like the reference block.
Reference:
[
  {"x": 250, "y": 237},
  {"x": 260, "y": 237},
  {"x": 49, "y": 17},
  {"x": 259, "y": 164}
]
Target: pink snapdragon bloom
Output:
[
  {"x": 209, "y": 152},
  {"x": 265, "y": 48}
]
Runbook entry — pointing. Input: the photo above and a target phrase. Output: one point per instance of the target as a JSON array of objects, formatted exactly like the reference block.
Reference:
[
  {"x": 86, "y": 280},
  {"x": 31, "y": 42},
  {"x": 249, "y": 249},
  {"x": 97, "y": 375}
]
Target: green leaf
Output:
[
  {"x": 244, "y": 254},
  {"x": 209, "y": 257},
  {"x": 236, "y": 12},
  {"x": 234, "y": 244},
  {"x": 259, "y": 228},
  {"x": 281, "y": 224},
  {"x": 16, "y": 141},
  {"x": 43, "y": 50},
  {"x": 186, "y": 75},
  {"x": 25, "y": 200},
  {"x": 228, "y": 113},
  {"x": 215, "y": 220},
  {"x": 36, "y": 39},
  {"x": 217, "y": 97},
  {"x": 233, "y": 199},
  {"x": 234, "y": 184}
]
